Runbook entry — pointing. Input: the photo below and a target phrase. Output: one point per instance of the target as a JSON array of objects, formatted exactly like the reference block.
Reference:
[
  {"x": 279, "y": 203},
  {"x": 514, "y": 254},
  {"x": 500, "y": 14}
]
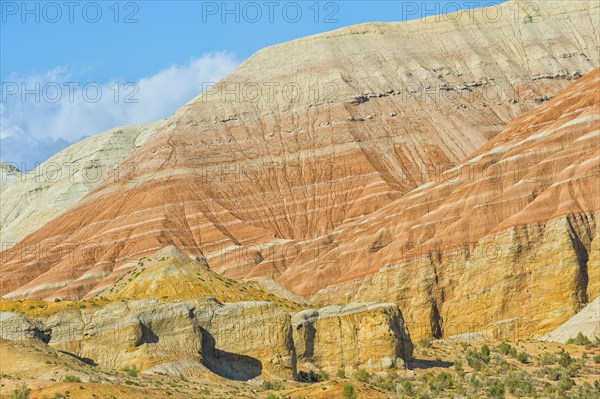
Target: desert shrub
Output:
[
  {"x": 485, "y": 353},
  {"x": 442, "y": 381},
  {"x": 564, "y": 358},
  {"x": 565, "y": 383},
  {"x": 475, "y": 383},
  {"x": 362, "y": 375},
  {"x": 323, "y": 375},
  {"x": 349, "y": 392},
  {"x": 340, "y": 373},
  {"x": 580, "y": 339},
  {"x": 458, "y": 366},
  {"x": 596, "y": 359},
  {"x": 72, "y": 378},
  {"x": 476, "y": 359},
  {"x": 407, "y": 387},
  {"x": 547, "y": 358},
  {"x": 22, "y": 392},
  {"x": 495, "y": 390},
  {"x": 506, "y": 349},
  {"x": 271, "y": 386},
  {"x": 425, "y": 343},
  {"x": 131, "y": 371},
  {"x": 522, "y": 357}
]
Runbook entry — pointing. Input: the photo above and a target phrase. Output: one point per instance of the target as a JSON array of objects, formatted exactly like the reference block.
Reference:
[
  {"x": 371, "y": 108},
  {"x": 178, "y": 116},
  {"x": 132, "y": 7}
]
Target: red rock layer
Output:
[{"x": 344, "y": 123}]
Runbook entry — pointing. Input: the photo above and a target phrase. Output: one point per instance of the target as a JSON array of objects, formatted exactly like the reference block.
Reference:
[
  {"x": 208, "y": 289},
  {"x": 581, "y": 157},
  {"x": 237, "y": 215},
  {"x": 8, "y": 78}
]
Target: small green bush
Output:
[
  {"x": 72, "y": 378},
  {"x": 349, "y": 392},
  {"x": 565, "y": 383},
  {"x": 564, "y": 359},
  {"x": 22, "y": 392},
  {"x": 580, "y": 339},
  {"x": 341, "y": 373},
  {"x": 271, "y": 386},
  {"x": 131, "y": 371},
  {"x": 362, "y": 375},
  {"x": 495, "y": 390},
  {"x": 323, "y": 375}
]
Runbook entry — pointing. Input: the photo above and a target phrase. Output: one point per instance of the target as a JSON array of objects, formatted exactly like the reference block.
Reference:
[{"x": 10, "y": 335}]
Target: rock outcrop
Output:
[
  {"x": 16, "y": 327},
  {"x": 261, "y": 174},
  {"x": 136, "y": 333},
  {"x": 237, "y": 341},
  {"x": 33, "y": 199},
  {"x": 242, "y": 341},
  {"x": 352, "y": 336}
]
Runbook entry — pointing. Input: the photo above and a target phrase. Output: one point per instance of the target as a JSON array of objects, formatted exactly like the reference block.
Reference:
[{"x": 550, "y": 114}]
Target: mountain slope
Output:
[
  {"x": 261, "y": 187},
  {"x": 510, "y": 236},
  {"x": 57, "y": 184}
]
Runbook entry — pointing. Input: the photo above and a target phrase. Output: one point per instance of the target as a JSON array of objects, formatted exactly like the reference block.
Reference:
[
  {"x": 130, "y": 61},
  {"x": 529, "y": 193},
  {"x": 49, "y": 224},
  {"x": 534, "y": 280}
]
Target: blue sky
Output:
[{"x": 167, "y": 49}]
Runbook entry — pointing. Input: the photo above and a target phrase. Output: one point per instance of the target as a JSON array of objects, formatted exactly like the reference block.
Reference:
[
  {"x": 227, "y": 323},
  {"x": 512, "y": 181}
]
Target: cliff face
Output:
[
  {"x": 505, "y": 243},
  {"x": 346, "y": 123},
  {"x": 353, "y": 336},
  {"x": 236, "y": 341}
]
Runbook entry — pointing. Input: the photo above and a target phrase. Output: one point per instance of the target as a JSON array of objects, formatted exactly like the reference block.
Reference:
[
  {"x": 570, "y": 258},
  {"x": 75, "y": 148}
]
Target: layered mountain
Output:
[
  {"x": 313, "y": 162},
  {"x": 32, "y": 199},
  {"x": 507, "y": 241}
]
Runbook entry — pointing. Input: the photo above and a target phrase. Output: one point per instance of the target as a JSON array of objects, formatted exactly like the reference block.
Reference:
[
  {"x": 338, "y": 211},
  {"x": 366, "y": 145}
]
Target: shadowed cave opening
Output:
[{"x": 228, "y": 365}]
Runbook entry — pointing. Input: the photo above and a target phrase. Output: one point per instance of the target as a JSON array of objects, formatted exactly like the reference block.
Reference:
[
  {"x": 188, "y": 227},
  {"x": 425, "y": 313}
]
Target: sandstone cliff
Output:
[
  {"x": 236, "y": 341},
  {"x": 264, "y": 186},
  {"x": 350, "y": 337}
]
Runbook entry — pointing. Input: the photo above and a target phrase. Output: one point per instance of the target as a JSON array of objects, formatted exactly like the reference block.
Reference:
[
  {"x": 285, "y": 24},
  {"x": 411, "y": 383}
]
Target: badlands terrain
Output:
[{"x": 382, "y": 211}]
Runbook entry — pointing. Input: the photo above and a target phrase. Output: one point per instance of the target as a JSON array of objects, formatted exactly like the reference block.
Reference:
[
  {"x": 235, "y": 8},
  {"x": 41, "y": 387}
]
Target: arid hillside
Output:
[{"x": 259, "y": 174}]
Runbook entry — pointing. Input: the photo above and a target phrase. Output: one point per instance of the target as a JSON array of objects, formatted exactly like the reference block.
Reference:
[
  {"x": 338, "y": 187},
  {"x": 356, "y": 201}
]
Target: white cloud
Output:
[{"x": 32, "y": 129}]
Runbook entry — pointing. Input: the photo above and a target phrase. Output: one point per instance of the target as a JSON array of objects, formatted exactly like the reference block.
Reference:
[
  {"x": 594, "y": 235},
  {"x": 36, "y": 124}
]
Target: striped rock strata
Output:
[
  {"x": 507, "y": 242},
  {"x": 30, "y": 200},
  {"x": 261, "y": 173}
]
